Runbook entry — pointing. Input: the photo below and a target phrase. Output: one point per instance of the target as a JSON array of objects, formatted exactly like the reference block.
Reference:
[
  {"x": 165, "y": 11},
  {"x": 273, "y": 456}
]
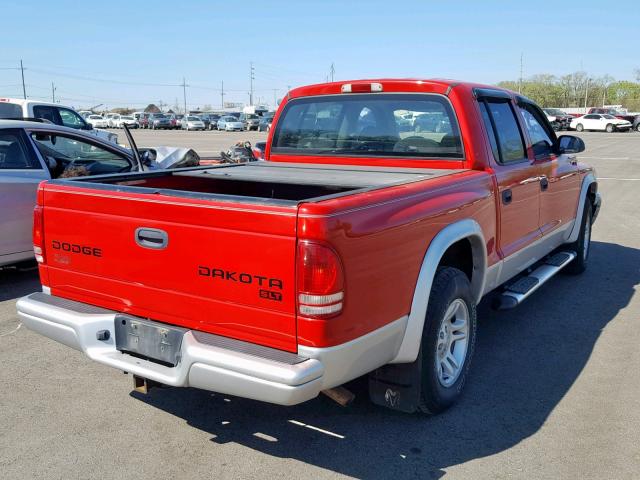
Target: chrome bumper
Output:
[{"x": 207, "y": 361}]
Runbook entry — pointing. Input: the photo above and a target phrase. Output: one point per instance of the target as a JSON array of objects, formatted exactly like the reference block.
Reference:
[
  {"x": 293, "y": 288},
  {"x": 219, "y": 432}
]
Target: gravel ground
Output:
[{"x": 554, "y": 391}]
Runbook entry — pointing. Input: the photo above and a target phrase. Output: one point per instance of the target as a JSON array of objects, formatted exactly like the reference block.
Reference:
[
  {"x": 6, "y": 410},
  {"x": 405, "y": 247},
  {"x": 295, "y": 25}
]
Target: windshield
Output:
[
  {"x": 554, "y": 111},
  {"x": 159, "y": 115},
  {"x": 229, "y": 119},
  {"x": 369, "y": 125},
  {"x": 95, "y": 117},
  {"x": 193, "y": 119},
  {"x": 126, "y": 118}
]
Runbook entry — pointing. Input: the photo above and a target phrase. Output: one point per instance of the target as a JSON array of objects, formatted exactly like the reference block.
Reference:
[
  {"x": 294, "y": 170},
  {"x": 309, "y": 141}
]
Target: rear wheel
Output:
[
  {"x": 448, "y": 340},
  {"x": 582, "y": 246},
  {"x": 579, "y": 127},
  {"x": 610, "y": 128}
]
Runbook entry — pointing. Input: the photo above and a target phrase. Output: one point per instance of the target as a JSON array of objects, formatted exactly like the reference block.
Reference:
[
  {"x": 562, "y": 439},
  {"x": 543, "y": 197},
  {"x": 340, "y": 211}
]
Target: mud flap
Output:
[{"x": 397, "y": 386}]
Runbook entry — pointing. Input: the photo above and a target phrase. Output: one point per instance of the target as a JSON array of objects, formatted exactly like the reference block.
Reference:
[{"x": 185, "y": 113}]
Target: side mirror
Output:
[{"x": 570, "y": 144}]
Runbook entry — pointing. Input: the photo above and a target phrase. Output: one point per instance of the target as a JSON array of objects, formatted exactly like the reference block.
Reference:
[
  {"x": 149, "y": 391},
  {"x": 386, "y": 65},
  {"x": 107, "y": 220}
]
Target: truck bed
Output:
[{"x": 273, "y": 183}]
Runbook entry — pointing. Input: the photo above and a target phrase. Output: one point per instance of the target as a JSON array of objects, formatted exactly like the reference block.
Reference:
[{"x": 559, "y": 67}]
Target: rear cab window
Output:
[
  {"x": 10, "y": 110},
  {"x": 14, "y": 153},
  {"x": 420, "y": 126}
]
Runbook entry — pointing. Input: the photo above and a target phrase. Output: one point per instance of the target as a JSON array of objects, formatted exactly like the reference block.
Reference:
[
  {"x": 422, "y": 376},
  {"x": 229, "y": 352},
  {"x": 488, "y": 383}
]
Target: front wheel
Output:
[
  {"x": 610, "y": 128},
  {"x": 579, "y": 127},
  {"x": 582, "y": 246},
  {"x": 448, "y": 340}
]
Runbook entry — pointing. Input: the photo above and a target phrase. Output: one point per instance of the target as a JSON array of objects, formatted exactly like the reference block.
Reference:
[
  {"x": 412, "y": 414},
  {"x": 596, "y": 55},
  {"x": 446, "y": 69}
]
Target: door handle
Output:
[
  {"x": 151, "y": 238},
  {"x": 507, "y": 196},
  {"x": 544, "y": 183}
]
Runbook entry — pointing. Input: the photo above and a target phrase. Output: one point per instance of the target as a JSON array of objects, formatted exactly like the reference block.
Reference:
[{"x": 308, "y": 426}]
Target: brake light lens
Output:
[
  {"x": 361, "y": 87},
  {"x": 38, "y": 233},
  {"x": 320, "y": 280}
]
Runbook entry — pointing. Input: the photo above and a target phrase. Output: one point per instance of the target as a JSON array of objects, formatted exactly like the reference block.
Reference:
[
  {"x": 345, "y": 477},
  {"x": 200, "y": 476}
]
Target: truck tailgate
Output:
[{"x": 221, "y": 267}]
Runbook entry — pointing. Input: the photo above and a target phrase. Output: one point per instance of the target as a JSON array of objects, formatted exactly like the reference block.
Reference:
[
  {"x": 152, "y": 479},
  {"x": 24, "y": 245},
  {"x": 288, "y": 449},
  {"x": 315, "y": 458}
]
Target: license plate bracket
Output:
[{"x": 151, "y": 340}]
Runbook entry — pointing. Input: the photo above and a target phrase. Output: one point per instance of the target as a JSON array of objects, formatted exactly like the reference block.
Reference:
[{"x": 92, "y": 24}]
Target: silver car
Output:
[
  {"x": 230, "y": 123},
  {"x": 31, "y": 152}
]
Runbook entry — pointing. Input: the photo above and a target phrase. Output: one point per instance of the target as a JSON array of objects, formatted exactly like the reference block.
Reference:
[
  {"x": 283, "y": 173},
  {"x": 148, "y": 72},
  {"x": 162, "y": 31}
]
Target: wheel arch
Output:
[
  {"x": 588, "y": 191},
  {"x": 453, "y": 237}
]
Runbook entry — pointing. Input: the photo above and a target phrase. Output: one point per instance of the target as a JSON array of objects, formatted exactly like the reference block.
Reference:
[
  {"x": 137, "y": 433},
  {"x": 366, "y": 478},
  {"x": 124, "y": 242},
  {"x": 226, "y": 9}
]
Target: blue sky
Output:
[{"x": 112, "y": 51}]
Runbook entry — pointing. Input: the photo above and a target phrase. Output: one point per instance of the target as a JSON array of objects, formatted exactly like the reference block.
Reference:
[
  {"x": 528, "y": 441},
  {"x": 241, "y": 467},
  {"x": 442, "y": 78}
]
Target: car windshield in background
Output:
[
  {"x": 10, "y": 110},
  {"x": 193, "y": 119},
  {"x": 606, "y": 115},
  {"x": 159, "y": 115},
  {"x": 386, "y": 125}
]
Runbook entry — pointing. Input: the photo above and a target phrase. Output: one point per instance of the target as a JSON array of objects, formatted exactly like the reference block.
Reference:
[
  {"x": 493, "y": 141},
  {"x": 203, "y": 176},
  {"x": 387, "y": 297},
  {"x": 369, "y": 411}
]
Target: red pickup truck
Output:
[{"x": 360, "y": 245}]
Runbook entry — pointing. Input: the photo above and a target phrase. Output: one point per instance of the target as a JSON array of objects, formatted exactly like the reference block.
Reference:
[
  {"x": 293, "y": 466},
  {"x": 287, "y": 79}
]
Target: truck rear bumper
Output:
[{"x": 209, "y": 362}]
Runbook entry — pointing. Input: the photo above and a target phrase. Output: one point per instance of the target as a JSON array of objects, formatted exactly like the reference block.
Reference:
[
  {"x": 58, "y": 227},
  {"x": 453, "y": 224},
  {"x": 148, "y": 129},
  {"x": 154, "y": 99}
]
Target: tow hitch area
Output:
[{"x": 143, "y": 385}]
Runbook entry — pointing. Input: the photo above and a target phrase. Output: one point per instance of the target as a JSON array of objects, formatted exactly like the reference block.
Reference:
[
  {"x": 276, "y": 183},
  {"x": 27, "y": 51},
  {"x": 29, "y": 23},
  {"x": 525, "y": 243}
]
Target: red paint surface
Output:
[{"x": 381, "y": 237}]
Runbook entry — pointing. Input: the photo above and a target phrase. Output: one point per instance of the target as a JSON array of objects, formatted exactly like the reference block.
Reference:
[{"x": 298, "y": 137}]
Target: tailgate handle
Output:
[{"x": 151, "y": 238}]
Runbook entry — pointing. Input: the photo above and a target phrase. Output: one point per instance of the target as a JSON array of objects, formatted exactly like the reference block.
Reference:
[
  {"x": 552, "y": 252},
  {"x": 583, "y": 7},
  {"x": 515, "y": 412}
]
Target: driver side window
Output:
[
  {"x": 69, "y": 156},
  {"x": 71, "y": 119},
  {"x": 541, "y": 140}
]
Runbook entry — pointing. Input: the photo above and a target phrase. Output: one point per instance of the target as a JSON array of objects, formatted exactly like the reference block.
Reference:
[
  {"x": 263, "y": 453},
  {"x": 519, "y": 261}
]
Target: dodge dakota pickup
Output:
[{"x": 361, "y": 245}]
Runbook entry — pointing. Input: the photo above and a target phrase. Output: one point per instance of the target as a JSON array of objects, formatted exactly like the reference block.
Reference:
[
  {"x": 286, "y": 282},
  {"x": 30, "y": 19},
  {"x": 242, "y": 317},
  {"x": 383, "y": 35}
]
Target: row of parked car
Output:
[
  {"x": 234, "y": 121},
  {"x": 596, "y": 119}
]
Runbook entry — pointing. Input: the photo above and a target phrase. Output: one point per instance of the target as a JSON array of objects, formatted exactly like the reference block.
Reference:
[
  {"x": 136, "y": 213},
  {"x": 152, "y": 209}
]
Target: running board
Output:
[{"x": 515, "y": 293}]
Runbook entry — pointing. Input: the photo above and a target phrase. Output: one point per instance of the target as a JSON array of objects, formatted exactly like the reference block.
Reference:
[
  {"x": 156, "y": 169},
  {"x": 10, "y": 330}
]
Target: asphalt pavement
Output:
[{"x": 554, "y": 391}]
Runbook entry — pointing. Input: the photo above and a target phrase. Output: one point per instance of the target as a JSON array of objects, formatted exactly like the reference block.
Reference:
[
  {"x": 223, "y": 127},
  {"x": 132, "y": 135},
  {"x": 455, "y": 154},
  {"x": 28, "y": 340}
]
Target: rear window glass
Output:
[
  {"x": 372, "y": 125},
  {"x": 10, "y": 110}
]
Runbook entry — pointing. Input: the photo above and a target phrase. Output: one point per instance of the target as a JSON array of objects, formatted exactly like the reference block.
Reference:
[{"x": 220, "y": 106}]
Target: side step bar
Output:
[{"x": 515, "y": 293}]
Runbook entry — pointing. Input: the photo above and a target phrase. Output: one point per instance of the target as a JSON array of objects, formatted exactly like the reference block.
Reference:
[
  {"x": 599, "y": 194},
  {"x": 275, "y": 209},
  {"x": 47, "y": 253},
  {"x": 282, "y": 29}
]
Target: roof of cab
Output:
[{"x": 395, "y": 85}]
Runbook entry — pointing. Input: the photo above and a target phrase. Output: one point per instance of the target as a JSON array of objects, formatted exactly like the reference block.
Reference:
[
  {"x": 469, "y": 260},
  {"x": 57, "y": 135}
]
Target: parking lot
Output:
[
  {"x": 554, "y": 391},
  {"x": 207, "y": 143}
]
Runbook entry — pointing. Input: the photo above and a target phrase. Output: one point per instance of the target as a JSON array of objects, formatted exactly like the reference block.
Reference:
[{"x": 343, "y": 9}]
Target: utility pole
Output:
[
  {"x": 222, "y": 94},
  {"x": 184, "y": 94},
  {"x": 586, "y": 95},
  {"x": 53, "y": 93},
  {"x": 24, "y": 90},
  {"x": 332, "y": 71},
  {"x": 251, "y": 79},
  {"x": 275, "y": 98},
  {"x": 520, "y": 81}
]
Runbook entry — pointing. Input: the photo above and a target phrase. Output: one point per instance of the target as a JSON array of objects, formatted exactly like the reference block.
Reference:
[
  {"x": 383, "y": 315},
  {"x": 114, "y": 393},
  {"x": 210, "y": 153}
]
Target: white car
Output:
[
  {"x": 230, "y": 123},
  {"x": 112, "y": 119},
  {"x": 601, "y": 122},
  {"x": 53, "y": 113},
  {"x": 98, "y": 121},
  {"x": 127, "y": 120}
]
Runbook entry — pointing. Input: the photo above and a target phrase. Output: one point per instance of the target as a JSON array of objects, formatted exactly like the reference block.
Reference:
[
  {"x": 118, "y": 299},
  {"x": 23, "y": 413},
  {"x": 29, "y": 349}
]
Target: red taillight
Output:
[
  {"x": 320, "y": 281},
  {"x": 38, "y": 233}
]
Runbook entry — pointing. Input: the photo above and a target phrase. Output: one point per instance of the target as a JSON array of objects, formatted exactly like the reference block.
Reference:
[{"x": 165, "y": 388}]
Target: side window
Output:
[
  {"x": 541, "y": 140},
  {"x": 47, "y": 113},
  {"x": 486, "y": 119},
  {"x": 72, "y": 157},
  {"x": 71, "y": 119},
  {"x": 506, "y": 131},
  {"x": 14, "y": 154}
]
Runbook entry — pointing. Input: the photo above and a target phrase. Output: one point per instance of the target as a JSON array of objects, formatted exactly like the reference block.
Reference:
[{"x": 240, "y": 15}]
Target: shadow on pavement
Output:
[
  {"x": 17, "y": 283},
  {"x": 526, "y": 361}
]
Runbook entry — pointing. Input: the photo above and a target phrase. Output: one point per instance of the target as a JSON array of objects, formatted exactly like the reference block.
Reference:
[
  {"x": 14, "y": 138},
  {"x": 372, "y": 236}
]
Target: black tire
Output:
[
  {"x": 580, "y": 246},
  {"x": 449, "y": 285},
  {"x": 638, "y": 128},
  {"x": 609, "y": 128},
  {"x": 579, "y": 127}
]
